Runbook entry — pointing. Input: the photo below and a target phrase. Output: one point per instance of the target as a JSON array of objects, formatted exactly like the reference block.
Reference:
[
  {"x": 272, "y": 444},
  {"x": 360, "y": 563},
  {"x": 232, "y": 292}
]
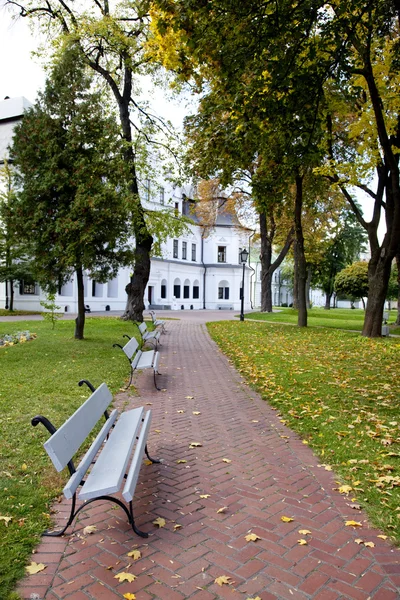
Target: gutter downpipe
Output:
[
  {"x": 252, "y": 275},
  {"x": 205, "y": 271}
]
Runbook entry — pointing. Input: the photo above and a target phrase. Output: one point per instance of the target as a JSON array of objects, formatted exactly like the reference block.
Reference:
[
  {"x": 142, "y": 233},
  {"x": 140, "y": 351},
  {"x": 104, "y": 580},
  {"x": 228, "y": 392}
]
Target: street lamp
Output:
[{"x": 243, "y": 256}]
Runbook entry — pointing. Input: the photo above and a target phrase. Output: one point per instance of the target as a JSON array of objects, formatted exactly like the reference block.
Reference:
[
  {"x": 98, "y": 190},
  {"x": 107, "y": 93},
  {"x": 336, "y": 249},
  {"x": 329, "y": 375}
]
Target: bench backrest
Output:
[
  {"x": 131, "y": 347},
  {"x": 143, "y": 328},
  {"x": 64, "y": 443}
]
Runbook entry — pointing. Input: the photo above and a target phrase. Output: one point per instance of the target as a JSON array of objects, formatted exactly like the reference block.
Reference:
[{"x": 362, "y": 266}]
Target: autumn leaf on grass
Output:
[
  {"x": 35, "y": 568},
  {"x": 302, "y": 542},
  {"x": 89, "y": 529},
  {"x": 135, "y": 554},
  {"x": 345, "y": 489},
  {"x": 286, "y": 519},
  {"x": 252, "y": 537},
  {"x": 6, "y": 520},
  {"x": 129, "y": 596},
  {"x": 195, "y": 445},
  {"x": 353, "y": 524},
  {"x": 125, "y": 577},
  {"x": 222, "y": 510},
  {"x": 159, "y": 521},
  {"x": 223, "y": 579},
  {"x": 226, "y": 460}
]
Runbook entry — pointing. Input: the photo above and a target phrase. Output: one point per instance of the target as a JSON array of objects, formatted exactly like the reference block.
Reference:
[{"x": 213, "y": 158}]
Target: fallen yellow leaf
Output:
[
  {"x": 222, "y": 510},
  {"x": 195, "y": 445},
  {"x": 157, "y": 430},
  {"x": 89, "y": 529},
  {"x": 304, "y": 531},
  {"x": 369, "y": 544},
  {"x": 159, "y": 521},
  {"x": 196, "y": 412},
  {"x": 189, "y": 397},
  {"x": 181, "y": 461},
  {"x": 345, "y": 489},
  {"x": 6, "y": 520},
  {"x": 180, "y": 411},
  {"x": 302, "y": 542},
  {"x": 256, "y": 598},
  {"x": 226, "y": 460},
  {"x": 130, "y": 596},
  {"x": 223, "y": 579},
  {"x": 359, "y": 541},
  {"x": 135, "y": 554},
  {"x": 177, "y": 526},
  {"x": 252, "y": 537},
  {"x": 148, "y": 462},
  {"x": 35, "y": 568},
  {"x": 383, "y": 537},
  {"x": 205, "y": 495},
  {"x": 353, "y": 524},
  {"x": 286, "y": 519},
  {"x": 125, "y": 577}
]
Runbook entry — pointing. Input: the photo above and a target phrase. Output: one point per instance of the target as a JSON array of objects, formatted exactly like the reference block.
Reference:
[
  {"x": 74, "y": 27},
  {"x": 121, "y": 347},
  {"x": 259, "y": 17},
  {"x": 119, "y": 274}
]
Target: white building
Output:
[{"x": 195, "y": 271}]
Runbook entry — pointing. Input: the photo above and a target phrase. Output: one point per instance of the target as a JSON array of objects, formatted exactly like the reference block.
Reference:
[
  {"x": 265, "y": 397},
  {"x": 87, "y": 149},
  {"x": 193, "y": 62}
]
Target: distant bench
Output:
[
  {"x": 225, "y": 307},
  {"x": 115, "y": 468},
  {"x": 149, "y": 336},
  {"x": 139, "y": 359}
]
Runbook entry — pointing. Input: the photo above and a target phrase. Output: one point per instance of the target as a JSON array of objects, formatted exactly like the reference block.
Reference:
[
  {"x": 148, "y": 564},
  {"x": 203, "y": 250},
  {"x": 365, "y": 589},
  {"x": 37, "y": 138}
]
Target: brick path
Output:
[{"x": 270, "y": 475}]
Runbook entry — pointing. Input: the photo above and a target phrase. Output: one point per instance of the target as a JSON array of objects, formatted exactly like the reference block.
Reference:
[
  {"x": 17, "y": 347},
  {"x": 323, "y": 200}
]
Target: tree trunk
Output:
[
  {"x": 378, "y": 279},
  {"x": 268, "y": 267},
  {"x": 327, "y": 301},
  {"x": 80, "y": 319},
  {"x": 300, "y": 259},
  {"x": 11, "y": 282},
  {"x": 398, "y": 296},
  {"x": 308, "y": 286},
  {"x": 137, "y": 285}
]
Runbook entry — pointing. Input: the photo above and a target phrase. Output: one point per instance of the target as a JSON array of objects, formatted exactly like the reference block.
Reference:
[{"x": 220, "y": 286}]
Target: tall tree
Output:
[
  {"x": 74, "y": 201},
  {"x": 111, "y": 38}
]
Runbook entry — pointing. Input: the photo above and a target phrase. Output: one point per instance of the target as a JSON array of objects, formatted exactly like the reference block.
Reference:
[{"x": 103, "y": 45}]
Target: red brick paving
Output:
[{"x": 268, "y": 476}]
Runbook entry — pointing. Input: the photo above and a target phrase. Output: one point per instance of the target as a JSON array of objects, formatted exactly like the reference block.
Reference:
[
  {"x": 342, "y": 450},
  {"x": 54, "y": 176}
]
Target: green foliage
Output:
[
  {"x": 393, "y": 288},
  {"x": 50, "y": 315},
  {"x": 41, "y": 377},
  {"x": 352, "y": 282},
  {"x": 332, "y": 388},
  {"x": 73, "y": 202}
]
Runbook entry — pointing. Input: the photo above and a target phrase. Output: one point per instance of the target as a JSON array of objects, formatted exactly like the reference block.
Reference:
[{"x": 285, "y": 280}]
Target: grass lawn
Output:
[
  {"x": 337, "y": 318},
  {"x": 16, "y": 313},
  {"x": 40, "y": 377},
  {"x": 341, "y": 393}
]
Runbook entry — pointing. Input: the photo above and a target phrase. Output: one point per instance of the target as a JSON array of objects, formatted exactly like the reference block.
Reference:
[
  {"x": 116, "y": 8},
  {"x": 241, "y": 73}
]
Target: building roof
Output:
[{"x": 13, "y": 108}]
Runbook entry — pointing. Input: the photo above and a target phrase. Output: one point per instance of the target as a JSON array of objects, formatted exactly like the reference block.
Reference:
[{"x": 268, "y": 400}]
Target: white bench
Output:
[
  {"x": 149, "y": 336},
  {"x": 114, "y": 458},
  {"x": 139, "y": 359},
  {"x": 157, "y": 322}
]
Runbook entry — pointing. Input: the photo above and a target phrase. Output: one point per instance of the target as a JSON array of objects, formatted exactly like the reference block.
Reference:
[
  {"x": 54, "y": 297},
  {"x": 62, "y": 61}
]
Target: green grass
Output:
[
  {"x": 336, "y": 318},
  {"x": 340, "y": 392},
  {"x": 40, "y": 377},
  {"x": 17, "y": 313}
]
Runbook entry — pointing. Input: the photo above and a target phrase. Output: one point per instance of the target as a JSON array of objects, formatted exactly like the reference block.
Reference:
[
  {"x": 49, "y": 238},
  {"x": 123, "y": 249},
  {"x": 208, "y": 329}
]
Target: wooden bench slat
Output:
[
  {"x": 86, "y": 461},
  {"x": 110, "y": 467},
  {"x": 133, "y": 474},
  {"x": 64, "y": 443}
]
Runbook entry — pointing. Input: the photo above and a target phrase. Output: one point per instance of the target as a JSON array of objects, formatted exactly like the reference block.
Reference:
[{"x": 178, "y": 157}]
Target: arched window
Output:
[
  {"x": 196, "y": 290},
  {"x": 186, "y": 289},
  {"x": 223, "y": 290},
  {"x": 177, "y": 288},
  {"x": 163, "y": 293}
]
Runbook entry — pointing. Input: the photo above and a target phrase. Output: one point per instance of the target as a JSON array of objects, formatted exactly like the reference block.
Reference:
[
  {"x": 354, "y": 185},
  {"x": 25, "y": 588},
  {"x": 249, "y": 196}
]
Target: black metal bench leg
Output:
[
  {"x": 142, "y": 534},
  {"x": 72, "y": 515},
  {"x": 153, "y": 460},
  {"x": 155, "y": 382}
]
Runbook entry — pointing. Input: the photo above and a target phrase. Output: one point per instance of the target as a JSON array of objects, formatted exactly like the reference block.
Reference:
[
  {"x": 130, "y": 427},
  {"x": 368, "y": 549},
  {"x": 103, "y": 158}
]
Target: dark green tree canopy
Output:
[{"x": 352, "y": 282}]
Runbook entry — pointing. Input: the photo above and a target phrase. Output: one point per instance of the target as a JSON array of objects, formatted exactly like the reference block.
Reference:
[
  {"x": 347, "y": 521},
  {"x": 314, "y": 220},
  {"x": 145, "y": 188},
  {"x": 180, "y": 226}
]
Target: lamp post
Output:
[{"x": 243, "y": 256}]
